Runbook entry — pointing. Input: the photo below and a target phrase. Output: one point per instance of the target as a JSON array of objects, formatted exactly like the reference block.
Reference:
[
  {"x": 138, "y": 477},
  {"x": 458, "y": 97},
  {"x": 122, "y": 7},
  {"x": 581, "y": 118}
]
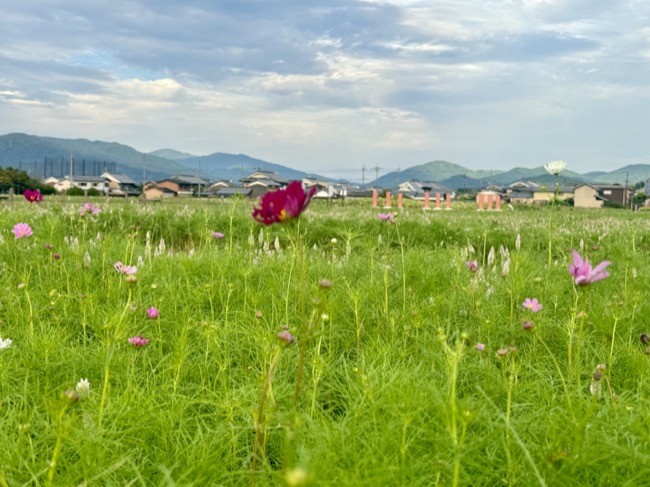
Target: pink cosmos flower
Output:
[
  {"x": 125, "y": 269},
  {"x": 89, "y": 209},
  {"x": 21, "y": 230},
  {"x": 217, "y": 235},
  {"x": 532, "y": 305},
  {"x": 283, "y": 204},
  {"x": 480, "y": 347},
  {"x": 583, "y": 273},
  {"x": 385, "y": 216},
  {"x": 138, "y": 341},
  {"x": 33, "y": 195},
  {"x": 472, "y": 265},
  {"x": 153, "y": 312}
]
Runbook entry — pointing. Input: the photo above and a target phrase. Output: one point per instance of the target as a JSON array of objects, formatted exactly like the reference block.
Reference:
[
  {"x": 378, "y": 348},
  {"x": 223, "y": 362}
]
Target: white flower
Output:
[
  {"x": 83, "y": 387},
  {"x": 555, "y": 167},
  {"x": 6, "y": 343}
]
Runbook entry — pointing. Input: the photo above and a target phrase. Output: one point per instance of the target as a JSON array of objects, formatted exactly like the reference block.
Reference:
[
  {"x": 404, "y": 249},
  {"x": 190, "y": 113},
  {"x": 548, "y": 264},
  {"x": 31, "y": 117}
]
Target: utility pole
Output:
[
  {"x": 376, "y": 169},
  {"x": 625, "y": 191},
  {"x": 363, "y": 175}
]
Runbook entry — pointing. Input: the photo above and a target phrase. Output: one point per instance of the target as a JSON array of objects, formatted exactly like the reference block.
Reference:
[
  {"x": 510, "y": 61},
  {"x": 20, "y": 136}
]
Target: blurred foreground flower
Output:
[
  {"x": 138, "y": 341},
  {"x": 33, "y": 195},
  {"x": 555, "y": 167},
  {"x": 125, "y": 269},
  {"x": 89, "y": 209},
  {"x": 583, "y": 273},
  {"x": 21, "y": 230},
  {"x": 283, "y": 204},
  {"x": 83, "y": 388}
]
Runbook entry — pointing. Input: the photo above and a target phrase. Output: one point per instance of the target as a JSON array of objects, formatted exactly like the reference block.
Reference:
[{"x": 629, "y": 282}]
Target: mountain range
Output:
[{"x": 48, "y": 156}]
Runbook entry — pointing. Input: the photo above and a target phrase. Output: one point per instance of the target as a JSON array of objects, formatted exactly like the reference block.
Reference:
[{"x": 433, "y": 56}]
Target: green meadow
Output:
[{"x": 332, "y": 350}]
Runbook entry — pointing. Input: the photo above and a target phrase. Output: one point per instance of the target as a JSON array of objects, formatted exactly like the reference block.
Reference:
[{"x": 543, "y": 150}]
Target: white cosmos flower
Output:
[
  {"x": 83, "y": 387},
  {"x": 6, "y": 343},
  {"x": 555, "y": 167}
]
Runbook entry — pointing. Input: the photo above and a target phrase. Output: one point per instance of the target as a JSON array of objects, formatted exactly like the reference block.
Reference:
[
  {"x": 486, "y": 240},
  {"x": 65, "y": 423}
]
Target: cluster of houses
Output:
[
  {"x": 254, "y": 185},
  {"x": 584, "y": 195},
  {"x": 259, "y": 182}
]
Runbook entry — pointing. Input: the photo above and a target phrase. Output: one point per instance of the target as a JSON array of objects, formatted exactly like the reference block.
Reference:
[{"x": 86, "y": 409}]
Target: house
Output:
[
  {"x": 416, "y": 189},
  {"x": 325, "y": 189},
  {"x": 83, "y": 182},
  {"x": 265, "y": 176},
  {"x": 590, "y": 196},
  {"x": 153, "y": 192},
  {"x": 121, "y": 185},
  {"x": 615, "y": 193},
  {"x": 545, "y": 194},
  {"x": 231, "y": 192},
  {"x": 184, "y": 185}
]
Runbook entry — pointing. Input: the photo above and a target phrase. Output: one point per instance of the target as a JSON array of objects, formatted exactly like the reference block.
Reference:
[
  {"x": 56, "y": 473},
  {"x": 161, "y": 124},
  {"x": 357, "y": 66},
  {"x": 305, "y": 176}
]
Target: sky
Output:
[{"x": 337, "y": 87}]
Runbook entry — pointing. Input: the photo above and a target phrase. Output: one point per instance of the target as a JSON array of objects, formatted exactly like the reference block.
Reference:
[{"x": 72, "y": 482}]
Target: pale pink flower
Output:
[
  {"x": 21, "y": 230},
  {"x": 217, "y": 235},
  {"x": 472, "y": 265},
  {"x": 125, "y": 269},
  {"x": 532, "y": 305}
]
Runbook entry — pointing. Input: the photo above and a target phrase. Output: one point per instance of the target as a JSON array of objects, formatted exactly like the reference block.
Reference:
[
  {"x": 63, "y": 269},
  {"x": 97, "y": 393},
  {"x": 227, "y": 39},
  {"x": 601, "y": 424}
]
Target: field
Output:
[{"x": 336, "y": 349}]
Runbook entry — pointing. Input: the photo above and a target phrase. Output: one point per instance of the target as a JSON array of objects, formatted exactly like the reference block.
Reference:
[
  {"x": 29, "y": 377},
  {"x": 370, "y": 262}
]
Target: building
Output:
[
  {"x": 416, "y": 189},
  {"x": 85, "y": 183},
  {"x": 121, "y": 185},
  {"x": 184, "y": 185}
]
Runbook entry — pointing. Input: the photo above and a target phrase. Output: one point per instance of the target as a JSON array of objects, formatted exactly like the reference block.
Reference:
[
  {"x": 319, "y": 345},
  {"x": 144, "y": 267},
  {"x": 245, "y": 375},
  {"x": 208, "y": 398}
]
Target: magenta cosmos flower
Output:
[
  {"x": 21, "y": 230},
  {"x": 532, "y": 304},
  {"x": 153, "y": 312},
  {"x": 138, "y": 341},
  {"x": 33, "y": 195},
  {"x": 582, "y": 272},
  {"x": 283, "y": 204}
]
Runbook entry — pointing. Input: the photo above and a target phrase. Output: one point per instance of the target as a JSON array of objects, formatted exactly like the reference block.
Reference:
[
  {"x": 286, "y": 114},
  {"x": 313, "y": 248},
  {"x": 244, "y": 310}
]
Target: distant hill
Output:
[
  {"x": 435, "y": 171},
  {"x": 48, "y": 156},
  {"x": 171, "y": 154},
  {"x": 42, "y": 157},
  {"x": 233, "y": 167}
]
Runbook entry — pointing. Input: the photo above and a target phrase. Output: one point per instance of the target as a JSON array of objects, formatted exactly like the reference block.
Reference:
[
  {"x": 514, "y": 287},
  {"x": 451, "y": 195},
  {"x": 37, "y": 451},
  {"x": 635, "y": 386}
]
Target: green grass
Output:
[{"x": 393, "y": 389}]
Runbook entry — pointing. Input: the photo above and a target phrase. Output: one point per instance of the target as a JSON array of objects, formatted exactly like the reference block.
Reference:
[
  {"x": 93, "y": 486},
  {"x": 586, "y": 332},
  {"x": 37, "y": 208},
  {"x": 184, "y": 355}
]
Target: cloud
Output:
[{"x": 335, "y": 83}]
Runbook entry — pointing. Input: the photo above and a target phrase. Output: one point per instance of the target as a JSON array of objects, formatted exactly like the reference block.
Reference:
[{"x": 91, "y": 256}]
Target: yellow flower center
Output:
[{"x": 283, "y": 215}]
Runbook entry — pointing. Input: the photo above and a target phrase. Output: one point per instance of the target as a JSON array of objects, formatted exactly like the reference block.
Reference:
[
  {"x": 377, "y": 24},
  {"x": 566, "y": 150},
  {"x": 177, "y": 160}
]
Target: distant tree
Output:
[
  {"x": 74, "y": 191},
  {"x": 16, "y": 179}
]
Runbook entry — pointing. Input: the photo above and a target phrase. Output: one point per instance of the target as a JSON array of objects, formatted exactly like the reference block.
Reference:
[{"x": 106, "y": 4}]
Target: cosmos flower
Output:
[
  {"x": 138, "y": 341},
  {"x": 89, "y": 209},
  {"x": 153, "y": 312},
  {"x": 21, "y": 230},
  {"x": 33, "y": 195},
  {"x": 532, "y": 305},
  {"x": 125, "y": 269},
  {"x": 472, "y": 265},
  {"x": 385, "y": 216},
  {"x": 6, "y": 343},
  {"x": 555, "y": 167},
  {"x": 217, "y": 235},
  {"x": 283, "y": 204},
  {"x": 583, "y": 273}
]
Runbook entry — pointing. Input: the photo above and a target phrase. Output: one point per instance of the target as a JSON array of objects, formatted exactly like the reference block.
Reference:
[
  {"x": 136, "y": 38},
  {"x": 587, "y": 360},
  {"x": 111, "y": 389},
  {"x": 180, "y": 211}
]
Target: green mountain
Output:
[
  {"x": 435, "y": 171},
  {"x": 632, "y": 174},
  {"x": 171, "y": 154},
  {"x": 48, "y": 156}
]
